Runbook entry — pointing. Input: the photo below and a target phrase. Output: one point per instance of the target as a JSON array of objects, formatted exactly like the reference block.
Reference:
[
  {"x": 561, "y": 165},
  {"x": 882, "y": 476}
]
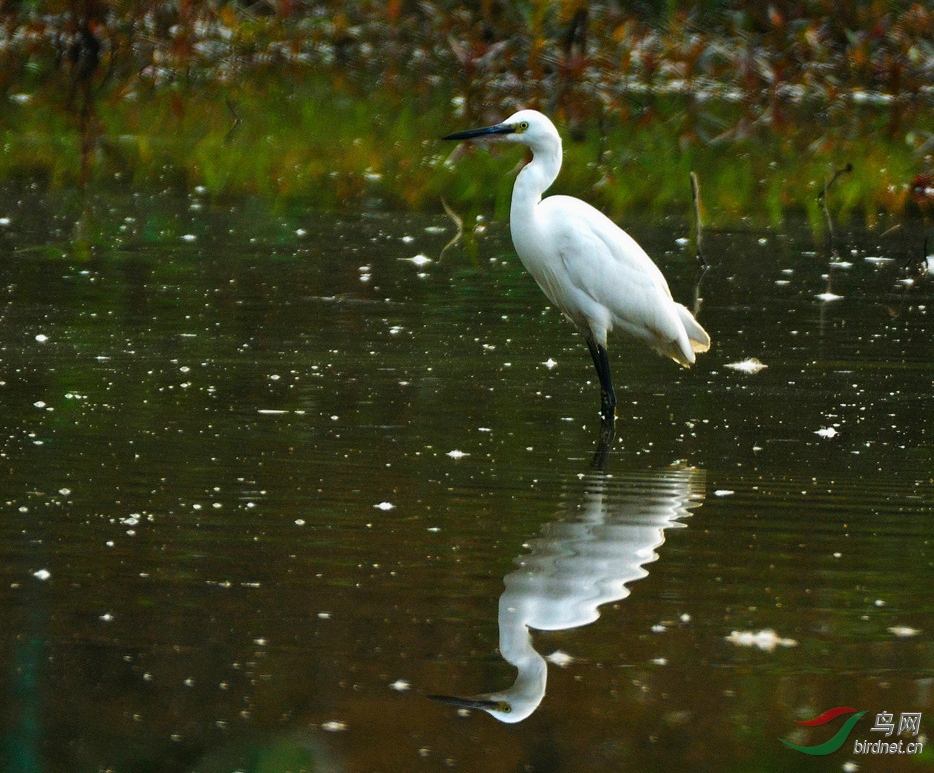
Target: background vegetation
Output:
[{"x": 343, "y": 102}]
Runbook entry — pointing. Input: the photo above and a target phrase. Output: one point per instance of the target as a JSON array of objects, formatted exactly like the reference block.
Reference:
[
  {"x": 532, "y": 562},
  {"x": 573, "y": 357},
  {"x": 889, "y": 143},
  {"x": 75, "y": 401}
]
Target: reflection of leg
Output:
[
  {"x": 607, "y": 395},
  {"x": 602, "y": 454}
]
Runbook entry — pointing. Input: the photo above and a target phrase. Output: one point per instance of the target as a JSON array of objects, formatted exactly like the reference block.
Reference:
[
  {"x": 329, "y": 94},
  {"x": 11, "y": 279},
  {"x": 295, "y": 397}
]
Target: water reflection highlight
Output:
[{"x": 576, "y": 565}]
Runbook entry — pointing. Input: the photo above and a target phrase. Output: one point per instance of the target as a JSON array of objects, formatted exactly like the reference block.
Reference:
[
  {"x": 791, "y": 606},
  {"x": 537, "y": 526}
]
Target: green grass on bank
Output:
[{"x": 339, "y": 145}]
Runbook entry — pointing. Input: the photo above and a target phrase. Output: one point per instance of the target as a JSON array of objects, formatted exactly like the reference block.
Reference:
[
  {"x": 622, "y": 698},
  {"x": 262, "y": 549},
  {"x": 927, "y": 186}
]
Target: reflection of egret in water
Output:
[{"x": 578, "y": 564}]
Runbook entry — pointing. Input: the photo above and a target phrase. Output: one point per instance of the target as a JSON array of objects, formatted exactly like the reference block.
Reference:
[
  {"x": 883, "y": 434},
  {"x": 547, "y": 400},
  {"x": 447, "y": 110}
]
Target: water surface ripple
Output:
[{"x": 266, "y": 480}]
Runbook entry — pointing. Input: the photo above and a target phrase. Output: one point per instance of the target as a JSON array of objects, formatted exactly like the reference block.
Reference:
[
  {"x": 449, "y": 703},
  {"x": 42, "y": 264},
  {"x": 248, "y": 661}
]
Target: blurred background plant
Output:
[{"x": 342, "y": 102}]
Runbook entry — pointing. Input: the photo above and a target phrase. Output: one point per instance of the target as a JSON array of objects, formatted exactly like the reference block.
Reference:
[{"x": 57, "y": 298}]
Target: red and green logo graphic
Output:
[{"x": 832, "y": 744}]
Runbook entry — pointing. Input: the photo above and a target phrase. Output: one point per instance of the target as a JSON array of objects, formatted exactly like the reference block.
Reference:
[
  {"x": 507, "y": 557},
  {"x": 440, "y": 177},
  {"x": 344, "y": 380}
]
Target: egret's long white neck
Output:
[
  {"x": 515, "y": 645},
  {"x": 534, "y": 179}
]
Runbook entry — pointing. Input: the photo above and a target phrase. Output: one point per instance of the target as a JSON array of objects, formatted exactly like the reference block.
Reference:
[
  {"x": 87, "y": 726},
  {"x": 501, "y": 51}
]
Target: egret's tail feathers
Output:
[
  {"x": 699, "y": 338},
  {"x": 683, "y": 349}
]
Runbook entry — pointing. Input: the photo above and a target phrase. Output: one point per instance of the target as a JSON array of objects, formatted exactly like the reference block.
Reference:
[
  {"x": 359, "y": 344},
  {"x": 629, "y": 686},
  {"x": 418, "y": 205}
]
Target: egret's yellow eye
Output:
[{"x": 523, "y": 126}]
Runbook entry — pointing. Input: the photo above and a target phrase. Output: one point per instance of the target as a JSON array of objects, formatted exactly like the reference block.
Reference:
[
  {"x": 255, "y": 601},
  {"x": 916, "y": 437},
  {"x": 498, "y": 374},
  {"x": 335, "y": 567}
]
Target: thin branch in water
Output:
[
  {"x": 822, "y": 199},
  {"x": 232, "y": 108},
  {"x": 841, "y": 171},
  {"x": 457, "y": 222},
  {"x": 698, "y": 225},
  {"x": 698, "y": 241}
]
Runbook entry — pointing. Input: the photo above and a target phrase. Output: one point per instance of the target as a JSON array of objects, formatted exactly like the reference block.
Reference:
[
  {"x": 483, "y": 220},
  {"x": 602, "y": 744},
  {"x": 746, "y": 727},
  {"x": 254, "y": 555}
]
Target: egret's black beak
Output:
[
  {"x": 470, "y": 134},
  {"x": 467, "y": 703}
]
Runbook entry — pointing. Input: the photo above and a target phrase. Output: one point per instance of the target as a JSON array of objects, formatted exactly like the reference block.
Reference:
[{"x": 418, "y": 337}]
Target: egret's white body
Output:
[{"x": 590, "y": 268}]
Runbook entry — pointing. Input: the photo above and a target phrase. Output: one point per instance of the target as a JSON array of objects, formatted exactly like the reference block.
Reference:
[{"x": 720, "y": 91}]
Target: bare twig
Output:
[
  {"x": 822, "y": 198},
  {"x": 698, "y": 242},
  {"x": 698, "y": 225},
  {"x": 460, "y": 228},
  {"x": 235, "y": 126}
]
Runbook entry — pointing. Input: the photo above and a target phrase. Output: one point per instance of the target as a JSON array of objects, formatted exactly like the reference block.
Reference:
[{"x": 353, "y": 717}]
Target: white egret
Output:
[{"x": 590, "y": 268}]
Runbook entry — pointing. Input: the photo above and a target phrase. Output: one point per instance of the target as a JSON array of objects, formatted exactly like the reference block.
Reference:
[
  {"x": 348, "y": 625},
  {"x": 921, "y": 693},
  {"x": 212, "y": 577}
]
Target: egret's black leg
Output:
[{"x": 607, "y": 395}]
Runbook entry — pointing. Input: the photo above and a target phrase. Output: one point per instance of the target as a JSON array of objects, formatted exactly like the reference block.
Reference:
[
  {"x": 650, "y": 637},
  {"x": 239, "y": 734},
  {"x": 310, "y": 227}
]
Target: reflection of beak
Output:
[
  {"x": 500, "y": 128},
  {"x": 471, "y": 703}
]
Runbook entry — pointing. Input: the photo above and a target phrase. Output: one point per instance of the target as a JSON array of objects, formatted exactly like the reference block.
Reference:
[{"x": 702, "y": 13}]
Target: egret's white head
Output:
[
  {"x": 527, "y": 127},
  {"x": 523, "y": 698},
  {"x": 509, "y": 711}
]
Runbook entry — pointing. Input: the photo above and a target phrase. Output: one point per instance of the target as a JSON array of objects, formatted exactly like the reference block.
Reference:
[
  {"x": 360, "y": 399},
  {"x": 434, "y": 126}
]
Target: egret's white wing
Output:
[
  {"x": 582, "y": 219},
  {"x": 608, "y": 279}
]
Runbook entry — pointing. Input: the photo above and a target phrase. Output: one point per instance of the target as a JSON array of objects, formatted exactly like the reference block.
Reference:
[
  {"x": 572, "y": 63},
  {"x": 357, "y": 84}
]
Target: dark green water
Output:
[{"x": 263, "y": 476}]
